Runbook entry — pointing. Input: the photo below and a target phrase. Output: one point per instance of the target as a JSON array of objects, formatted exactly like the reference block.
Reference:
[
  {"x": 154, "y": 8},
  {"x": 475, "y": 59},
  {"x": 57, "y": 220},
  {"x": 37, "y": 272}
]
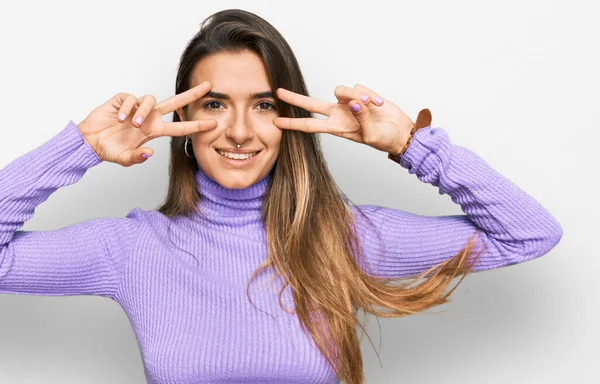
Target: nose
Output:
[{"x": 239, "y": 129}]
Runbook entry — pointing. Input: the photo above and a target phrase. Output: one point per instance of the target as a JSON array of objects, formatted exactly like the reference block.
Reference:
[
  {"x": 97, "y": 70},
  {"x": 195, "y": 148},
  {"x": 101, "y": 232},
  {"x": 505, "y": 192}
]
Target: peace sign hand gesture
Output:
[
  {"x": 360, "y": 115},
  {"x": 117, "y": 137}
]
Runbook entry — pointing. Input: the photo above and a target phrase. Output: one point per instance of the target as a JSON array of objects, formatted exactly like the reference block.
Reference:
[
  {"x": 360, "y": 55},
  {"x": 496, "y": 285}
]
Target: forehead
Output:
[{"x": 237, "y": 74}]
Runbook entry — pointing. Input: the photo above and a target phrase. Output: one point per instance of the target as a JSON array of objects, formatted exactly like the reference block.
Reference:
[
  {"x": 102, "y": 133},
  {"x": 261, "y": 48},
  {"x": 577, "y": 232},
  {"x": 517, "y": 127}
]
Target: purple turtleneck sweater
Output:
[{"x": 182, "y": 281}]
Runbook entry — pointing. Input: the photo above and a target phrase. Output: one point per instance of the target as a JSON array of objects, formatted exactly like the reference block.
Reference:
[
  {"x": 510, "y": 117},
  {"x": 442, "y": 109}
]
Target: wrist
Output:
[
  {"x": 84, "y": 133},
  {"x": 423, "y": 120}
]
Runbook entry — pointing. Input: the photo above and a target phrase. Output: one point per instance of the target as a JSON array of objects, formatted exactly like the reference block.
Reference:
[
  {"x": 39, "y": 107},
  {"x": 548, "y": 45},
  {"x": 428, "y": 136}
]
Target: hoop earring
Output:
[{"x": 185, "y": 147}]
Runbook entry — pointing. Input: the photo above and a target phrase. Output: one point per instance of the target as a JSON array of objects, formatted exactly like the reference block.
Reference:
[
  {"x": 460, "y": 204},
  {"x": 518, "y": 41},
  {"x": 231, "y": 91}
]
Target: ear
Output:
[{"x": 181, "y": 114}]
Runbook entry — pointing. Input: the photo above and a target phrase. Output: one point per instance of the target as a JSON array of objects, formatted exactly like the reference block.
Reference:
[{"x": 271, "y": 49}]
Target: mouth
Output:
[
  {"x": 237, "y": 155},
  {"x": 240, "y": 159}
]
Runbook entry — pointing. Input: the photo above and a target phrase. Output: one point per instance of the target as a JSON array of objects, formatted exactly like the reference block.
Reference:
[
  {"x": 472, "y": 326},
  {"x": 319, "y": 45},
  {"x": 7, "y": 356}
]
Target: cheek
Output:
[
  {"x": 270, "y": 135},
  {"x": 204, "y": 139},
  {"x": 202, "y": 143}
]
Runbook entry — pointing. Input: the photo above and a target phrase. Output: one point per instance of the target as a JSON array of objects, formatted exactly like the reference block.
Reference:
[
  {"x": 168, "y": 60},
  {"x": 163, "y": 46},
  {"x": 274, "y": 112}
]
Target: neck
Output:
[{"x": 217, "y": 200}]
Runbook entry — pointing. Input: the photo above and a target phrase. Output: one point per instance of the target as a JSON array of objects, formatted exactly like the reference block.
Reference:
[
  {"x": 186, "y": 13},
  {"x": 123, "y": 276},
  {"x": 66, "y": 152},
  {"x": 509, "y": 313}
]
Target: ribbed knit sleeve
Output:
[
  {"x": 83, "y": 258},
  {"x": 511, "y": 224}
]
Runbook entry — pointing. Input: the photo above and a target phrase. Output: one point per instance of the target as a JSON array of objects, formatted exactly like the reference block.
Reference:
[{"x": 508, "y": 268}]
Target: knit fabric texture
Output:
[{"x": 182, "y": 281}]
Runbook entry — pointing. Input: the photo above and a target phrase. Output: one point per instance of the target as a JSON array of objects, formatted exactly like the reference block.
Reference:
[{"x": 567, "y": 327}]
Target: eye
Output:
[
  {"x": 211, "y": 104},
  {"x": 270, "y": 106}
]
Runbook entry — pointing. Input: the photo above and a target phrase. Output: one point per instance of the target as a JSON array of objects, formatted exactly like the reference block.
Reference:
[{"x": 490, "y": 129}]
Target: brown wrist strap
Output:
[{"x": 423, "y": 120}]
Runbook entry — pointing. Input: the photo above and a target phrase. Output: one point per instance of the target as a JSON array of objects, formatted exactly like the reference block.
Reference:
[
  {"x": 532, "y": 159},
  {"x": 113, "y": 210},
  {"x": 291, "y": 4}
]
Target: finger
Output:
[
  {"x": 182, "y": 128},
  {"x": 137, "y": 156},
  {"x": 182, "y": 99},
  {"x": 345, "y": 94},
  {"x": 308, "y": 103},
  {"x": 127, "y": 101},
  {"x": 369, "y": 130},
  {"x": 308, "y": 124},
  {"x": 374, "y": 96},
  {"x": 145, "y": 105}
]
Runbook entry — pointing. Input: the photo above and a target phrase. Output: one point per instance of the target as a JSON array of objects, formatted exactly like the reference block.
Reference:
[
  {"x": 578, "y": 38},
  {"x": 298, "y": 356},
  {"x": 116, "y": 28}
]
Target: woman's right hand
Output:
[{"x": 112, "y": 131}]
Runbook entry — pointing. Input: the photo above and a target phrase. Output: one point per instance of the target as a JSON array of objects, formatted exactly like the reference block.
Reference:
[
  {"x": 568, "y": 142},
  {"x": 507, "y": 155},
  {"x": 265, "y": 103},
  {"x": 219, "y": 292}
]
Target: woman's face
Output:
[{"x": 242, "y": 103}]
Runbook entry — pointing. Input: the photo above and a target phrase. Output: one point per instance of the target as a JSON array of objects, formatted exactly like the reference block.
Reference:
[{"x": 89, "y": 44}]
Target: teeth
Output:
[{"x": 237, "y": 156}]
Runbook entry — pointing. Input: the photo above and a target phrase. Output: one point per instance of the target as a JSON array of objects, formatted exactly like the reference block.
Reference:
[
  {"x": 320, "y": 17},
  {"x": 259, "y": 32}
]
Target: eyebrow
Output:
[{"x": 223, "y": 96}]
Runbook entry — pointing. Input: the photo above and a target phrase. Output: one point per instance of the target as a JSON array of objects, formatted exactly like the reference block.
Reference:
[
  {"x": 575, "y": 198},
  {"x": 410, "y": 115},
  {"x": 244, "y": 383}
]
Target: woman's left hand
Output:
[{"x": 381, "y": 125}]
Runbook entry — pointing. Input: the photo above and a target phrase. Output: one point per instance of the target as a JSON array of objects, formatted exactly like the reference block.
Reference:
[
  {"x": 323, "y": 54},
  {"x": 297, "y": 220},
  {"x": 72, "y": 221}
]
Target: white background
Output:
[{"x": 515, "y": 81}]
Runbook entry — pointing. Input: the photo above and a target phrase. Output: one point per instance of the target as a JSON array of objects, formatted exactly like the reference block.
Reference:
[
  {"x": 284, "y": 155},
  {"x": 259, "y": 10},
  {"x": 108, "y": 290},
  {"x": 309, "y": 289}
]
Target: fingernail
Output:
[
  {"x": 355, "y": 107},
  {"x": 364, "y": 98},
  {"x": 379, "y": 100},
  {"x": 122, "y": 117},
  {"x": 139, "y": 120},
  {"x": 145, "y": 155}
]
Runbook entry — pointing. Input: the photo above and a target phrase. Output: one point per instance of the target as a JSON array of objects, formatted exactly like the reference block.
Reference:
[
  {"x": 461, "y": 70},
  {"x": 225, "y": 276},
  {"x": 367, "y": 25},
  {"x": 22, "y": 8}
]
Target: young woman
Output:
[{"x": 250, "y": 200}]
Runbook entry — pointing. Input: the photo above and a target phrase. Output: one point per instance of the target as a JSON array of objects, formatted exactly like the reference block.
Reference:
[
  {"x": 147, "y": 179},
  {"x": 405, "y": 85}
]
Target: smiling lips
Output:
[{"x": 237, "y": 155}]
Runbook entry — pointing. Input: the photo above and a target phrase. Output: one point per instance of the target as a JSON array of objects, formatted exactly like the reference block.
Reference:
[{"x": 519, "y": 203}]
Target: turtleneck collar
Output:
[{"x": 217, "y": 200}]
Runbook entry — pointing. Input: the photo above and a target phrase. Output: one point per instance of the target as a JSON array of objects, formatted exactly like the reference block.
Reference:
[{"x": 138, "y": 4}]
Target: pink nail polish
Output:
[
  {"x": 379, "y": 100},
  {"x": 139, "y": 120},
  {"x": 355, "y": 107},
  {"x": 364, "y": 98},
  {"x": 122, "y": 117},
  {"x": 145, "y": 155}
]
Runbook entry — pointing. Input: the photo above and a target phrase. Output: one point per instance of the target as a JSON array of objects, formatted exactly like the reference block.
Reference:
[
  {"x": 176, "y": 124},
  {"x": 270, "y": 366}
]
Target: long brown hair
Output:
[{"x": 310, "y": 228}]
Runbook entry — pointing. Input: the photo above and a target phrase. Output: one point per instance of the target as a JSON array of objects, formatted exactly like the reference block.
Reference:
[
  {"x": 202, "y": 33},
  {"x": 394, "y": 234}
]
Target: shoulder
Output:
[
  {"x": 368, "y": 215},
  {"x": 367, "y": 221},
  {"x": 148, "y": 218},
  {"x": 152, "y": 220},
  {"x": 142, "y": 215}
]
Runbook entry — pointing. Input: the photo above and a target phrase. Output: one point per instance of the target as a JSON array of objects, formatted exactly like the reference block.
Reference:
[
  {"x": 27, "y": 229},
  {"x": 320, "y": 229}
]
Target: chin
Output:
[
  {"x": 232, "y": 179},
  {"x": 234, "y": 184}
]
